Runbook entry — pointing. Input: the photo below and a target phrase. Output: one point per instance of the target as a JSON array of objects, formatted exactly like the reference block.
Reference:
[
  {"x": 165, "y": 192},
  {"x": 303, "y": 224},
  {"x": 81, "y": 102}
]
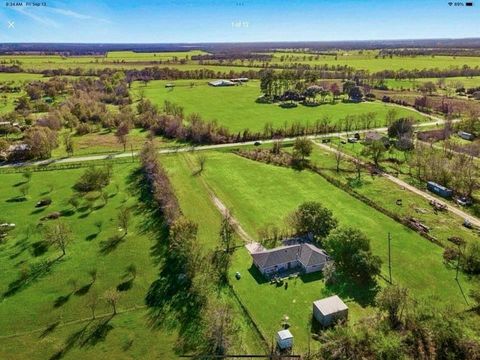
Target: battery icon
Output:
[{"x": 469, "y": 4}]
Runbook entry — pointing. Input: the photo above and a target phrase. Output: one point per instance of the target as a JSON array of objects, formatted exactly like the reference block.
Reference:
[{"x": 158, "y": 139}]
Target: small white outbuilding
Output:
[
  {"x": 284, "y": 339},
  {"x": 329, "y": 310}
]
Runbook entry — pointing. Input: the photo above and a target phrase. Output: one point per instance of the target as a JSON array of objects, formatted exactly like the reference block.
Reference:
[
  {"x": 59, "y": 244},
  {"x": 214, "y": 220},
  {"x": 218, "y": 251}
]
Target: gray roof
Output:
[
  {"x": 221, "y": 82},
  {"x": 330, "y": 305},
  {"x": 307, "y": 254},
  {"x": 284, "y": 334}
]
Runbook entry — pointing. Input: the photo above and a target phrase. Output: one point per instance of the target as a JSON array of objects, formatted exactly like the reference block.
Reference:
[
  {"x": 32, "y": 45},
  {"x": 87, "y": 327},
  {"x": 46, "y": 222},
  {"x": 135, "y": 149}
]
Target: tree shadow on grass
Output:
[
  {"x": 39, "y": 248},
  {"x": 171, "y": 301},
  {"x": 16, "y": 199},
  {"x": 361, "y": 293},
  {"x": 125, "y": 285},
  {"x": 49, "y": 329},
  {"x": 34, "y": 273},
  {"x": 91, "y": 334},
  {"x": 315, "y": 276},
  {"x": 84, "y": 289},
  {"x": 91, "y": 237},
  {"x": 109, "y": 245},
  {"x": 22, "y": 246},
  {"x": 67, "y": 212},
  {"x": 61, "y": 300},
  {"x": 38, "y": 211}
]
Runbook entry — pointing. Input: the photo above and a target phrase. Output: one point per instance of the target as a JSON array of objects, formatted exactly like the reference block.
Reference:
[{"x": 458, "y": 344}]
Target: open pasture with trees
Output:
[
  {"x": 79, "y": 269},
  {"x": 236, "y": 107},
  {"x": 45, "y": 289},
  {"x": 261, "y": 196}
]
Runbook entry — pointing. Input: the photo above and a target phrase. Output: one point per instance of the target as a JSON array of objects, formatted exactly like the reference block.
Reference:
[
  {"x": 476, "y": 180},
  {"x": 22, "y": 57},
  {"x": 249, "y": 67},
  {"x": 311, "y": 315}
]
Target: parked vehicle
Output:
[
  {"x": 464, "y": 201},
  {"x": 439, "y": 190}
]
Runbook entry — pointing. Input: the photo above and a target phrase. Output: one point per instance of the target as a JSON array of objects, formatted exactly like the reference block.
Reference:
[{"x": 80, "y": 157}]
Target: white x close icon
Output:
[{"x": 11, "y": 24}]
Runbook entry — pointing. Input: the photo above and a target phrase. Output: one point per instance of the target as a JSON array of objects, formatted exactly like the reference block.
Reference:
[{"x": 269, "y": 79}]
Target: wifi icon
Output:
[{"x": 450, "y": 3}]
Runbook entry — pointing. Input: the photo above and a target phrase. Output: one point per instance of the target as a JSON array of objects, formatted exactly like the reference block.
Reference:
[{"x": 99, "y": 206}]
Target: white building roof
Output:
[
  {"x": 330, "y": 305},
  {"x": 284, "y": 334}
]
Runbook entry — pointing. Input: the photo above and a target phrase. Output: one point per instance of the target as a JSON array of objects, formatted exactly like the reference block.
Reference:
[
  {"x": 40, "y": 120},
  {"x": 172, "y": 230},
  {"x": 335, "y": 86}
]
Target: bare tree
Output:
[
  {"x": 111, "y": 297},
  {"x": 227, "y": 231},
  {"x": 201, "y": 160},
  {"x": 58, "y": 234},
  {"x": 92, "y": 303},
  {"x": 122, "y": 134},
  {"x": 124, "y": 218},
  {"x": 338, "y": 156}
]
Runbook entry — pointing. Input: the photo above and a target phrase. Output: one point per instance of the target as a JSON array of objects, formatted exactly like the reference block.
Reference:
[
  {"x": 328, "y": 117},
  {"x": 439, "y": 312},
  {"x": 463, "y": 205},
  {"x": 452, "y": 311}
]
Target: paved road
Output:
[
  {"x": 411, "y": 188},
  {"x": 69, "y": 160}
]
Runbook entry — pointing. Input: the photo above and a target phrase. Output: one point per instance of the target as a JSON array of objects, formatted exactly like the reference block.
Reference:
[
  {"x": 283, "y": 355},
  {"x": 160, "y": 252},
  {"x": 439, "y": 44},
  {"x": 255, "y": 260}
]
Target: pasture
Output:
[
  {"x": 236, "y": 109},
  {"x": 369, "y": 60},
  {"x": 45, "y": 297},
  {"x": 260, "y": 194},
  {"x": 399, "y": 84},
  {"x": 42, "y": 289}
]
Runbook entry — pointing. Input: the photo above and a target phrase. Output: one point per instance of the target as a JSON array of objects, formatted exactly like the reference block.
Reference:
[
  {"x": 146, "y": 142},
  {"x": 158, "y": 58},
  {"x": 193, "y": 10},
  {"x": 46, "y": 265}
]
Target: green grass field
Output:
[
  {"x": 121, "y": 60},
  {"x": 467, "y": 82},
  {"x": 43, "y": 314},
  {"x": 104, "y": 142},
  {"x": 149, "y": 56},
  {"x": 235, "y": 107},
  {"x": 366, "y": 60},
  {"x": 45, "y": 297},
  {"x": 17, "y": 78},
  {"x": 260, "y": 194},
  {"x": 384, "y": 192}
]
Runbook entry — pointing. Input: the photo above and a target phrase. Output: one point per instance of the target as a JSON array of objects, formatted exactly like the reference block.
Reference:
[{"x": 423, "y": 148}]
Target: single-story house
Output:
[
  {"x": 284, "y": 339},
  {"x": 329, "y": 310},
  {"x": 218, "y": 83},
  {"x": 306, "y": 257}
]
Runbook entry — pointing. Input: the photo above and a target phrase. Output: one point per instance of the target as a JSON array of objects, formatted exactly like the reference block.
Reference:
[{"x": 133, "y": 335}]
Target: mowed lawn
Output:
[
  {"x": 236, "y": 109},
  {"x": 260, "y": 194},
  {"x": 40, "y": 308}
]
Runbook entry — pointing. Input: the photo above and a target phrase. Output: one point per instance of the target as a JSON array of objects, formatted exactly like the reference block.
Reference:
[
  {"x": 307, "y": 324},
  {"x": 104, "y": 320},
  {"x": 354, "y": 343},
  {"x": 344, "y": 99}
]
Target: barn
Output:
[{"x": 330, "y": 310}]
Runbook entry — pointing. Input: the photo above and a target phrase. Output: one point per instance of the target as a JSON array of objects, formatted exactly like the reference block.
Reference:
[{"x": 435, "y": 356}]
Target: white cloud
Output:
[
  {"x": 76, "y": 15},
  {"x": 42, "y": 20}
]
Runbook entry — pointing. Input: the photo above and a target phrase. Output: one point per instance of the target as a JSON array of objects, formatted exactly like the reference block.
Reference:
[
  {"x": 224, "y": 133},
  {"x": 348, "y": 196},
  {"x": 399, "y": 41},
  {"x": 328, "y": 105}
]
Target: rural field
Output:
[
  {"x": 203, "y": 200},
  {"x": 236, "y": 109},
  {"x": 260, "y": 194},
  {"x": 51, "y": 293}
]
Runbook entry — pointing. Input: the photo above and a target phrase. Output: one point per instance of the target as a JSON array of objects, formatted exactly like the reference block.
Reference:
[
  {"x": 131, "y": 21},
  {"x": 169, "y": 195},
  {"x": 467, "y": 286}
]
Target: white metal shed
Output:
[{"x": 329, "y": 310}]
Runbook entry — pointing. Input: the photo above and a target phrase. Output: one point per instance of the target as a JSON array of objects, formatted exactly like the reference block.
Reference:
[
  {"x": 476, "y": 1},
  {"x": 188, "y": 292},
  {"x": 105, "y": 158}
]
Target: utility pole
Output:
[
  {"x": 389, "y": 258},
  {"x": 458, "y": 263}
]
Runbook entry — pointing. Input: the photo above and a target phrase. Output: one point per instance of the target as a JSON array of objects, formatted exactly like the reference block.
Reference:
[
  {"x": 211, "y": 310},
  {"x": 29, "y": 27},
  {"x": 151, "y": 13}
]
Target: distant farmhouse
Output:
[
  {"x": 218, "y": 83},
  {"x": 304, "y": 257}
]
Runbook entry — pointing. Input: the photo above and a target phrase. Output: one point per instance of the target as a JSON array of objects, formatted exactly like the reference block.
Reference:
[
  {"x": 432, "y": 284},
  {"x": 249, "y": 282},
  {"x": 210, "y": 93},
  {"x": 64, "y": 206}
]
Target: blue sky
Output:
[{"x": 166, "y": 21}]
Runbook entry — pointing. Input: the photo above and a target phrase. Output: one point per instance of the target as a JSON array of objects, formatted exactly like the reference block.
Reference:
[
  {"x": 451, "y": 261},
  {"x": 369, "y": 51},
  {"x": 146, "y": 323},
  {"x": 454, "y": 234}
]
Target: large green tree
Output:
[
  {"x": 313, "y": 220},
  {"x": 350, "y": 249}
]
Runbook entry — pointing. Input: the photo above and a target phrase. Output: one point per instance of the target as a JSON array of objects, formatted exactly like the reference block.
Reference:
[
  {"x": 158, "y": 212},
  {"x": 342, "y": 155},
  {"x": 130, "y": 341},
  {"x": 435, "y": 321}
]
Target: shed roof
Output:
[
  {"x": 330, "y": 305},
  {"x": 284, "y": 334}
]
